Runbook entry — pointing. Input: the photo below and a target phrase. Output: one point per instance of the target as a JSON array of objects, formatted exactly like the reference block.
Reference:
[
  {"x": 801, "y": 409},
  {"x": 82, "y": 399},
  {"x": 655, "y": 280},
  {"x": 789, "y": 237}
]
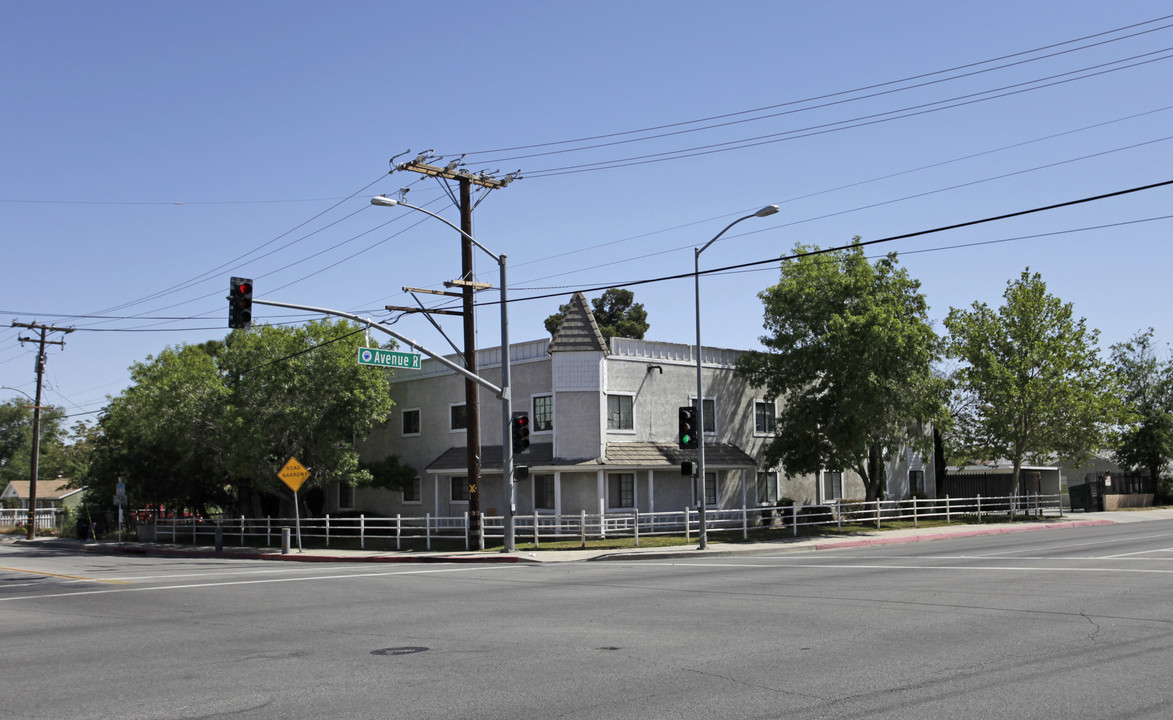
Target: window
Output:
[
  {"x": 619, "y": 412},
  {"x": 543, "y": 413},
  {"x": 916, "y": 482},
  {"x": 345, "y": 496},
  {"x": 457, "y": 417},
  {"x": 711, "y": 489},
  {"x": 768, "y": 487},
  {"x": 411, "y": 421},
  {"x": 544, "y": 492},
  {"x": 411, "y": 492},
  {"x": 710, "y": 413},
  {"x": 460, "y": 489},
  {"x": 622, "y": 490},
  {"x": 832, "y": 486},
  {"x": 763, "y": 417}
]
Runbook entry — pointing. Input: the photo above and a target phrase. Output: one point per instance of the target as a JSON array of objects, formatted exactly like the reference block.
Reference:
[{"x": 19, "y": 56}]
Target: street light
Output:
[
  {"x": 506, "y": 399},
  {"x": 700, "y": 396}
]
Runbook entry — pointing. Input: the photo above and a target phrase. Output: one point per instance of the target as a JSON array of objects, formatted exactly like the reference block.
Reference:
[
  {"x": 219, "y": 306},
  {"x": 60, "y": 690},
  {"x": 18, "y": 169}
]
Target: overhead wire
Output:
[
  {"x": 842, "y": 92},
  {"x": 839, "y": 125}
]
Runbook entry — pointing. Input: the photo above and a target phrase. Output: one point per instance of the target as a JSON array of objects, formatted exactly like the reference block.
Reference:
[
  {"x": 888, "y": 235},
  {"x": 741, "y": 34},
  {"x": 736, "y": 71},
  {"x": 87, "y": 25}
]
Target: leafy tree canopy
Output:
[
  {"x": 1144, "y": 438},
  {"x": 207, "y": 425},
  {"x": 1035, "y": 375},
  {"x": 850, "y": 351},
  {"x": 616, "y": 312},
  {"x": 16, "y": 443}
]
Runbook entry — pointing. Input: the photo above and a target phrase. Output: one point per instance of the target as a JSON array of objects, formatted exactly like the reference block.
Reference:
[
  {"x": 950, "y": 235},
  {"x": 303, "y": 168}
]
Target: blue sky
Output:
[{"x": 152, "y": 150}]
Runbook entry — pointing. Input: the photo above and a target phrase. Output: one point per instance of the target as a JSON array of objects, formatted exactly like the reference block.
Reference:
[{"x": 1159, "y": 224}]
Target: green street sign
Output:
[{"x": 388, "y": 358}]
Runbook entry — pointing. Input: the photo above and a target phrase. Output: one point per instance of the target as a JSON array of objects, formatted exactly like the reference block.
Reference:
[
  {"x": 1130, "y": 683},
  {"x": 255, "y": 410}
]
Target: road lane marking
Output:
[
  {"x": 46, "y": 573},
  {"x": 228, "y": 583}
]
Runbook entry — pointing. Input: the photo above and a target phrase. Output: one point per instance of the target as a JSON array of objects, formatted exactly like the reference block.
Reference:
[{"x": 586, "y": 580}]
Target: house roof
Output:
[
  {"x": 578, "y": 331},
  {"x": 635, "y": 455},
  {"x": 56, "y": 489}
]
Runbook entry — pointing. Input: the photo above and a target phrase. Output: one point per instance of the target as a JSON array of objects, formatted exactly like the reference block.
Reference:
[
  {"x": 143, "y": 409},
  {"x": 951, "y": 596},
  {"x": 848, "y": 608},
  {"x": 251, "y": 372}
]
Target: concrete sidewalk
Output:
[{"x": 716, "y": 547}]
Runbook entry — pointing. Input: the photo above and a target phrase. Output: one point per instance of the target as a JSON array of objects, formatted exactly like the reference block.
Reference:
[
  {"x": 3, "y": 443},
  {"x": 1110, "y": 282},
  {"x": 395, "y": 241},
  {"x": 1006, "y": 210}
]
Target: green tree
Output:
[
  {"x": 1144, "y": 438},
  {"x": 16, "y": 442},
  {"x": 616, "y": 313},
  {"x": 1036, "y": 375},
  {"x": 208, "y": 426},
  {"x": 299, "y": 392},
  {"x": 163, "y": 435},
  {"x": 850, "y": 351}
]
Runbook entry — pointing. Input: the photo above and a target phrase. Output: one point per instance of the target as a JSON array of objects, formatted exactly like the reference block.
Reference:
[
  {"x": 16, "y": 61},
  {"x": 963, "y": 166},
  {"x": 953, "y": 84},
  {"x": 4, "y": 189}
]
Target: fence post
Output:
[
  {"x": 582, "y": 528},
  {"x": 268, "y": 531},
  {"x": 744, "y": 523},
  {"x": 794, "y": 518},
  {"x": 635, "y": 526},
  {"x": 399, "y": 530},
  {"x": 877, "y": 513},
  {"x": 327, "y": 529},
  {"x": 687, "y": 526},
  {"x": 537, "y": 529},
  {"x": 915, "y": 519},
  {"x": 362, "y": 531},
  {"x": 979, "y": 499},
  {"x": 948, "y": 516},
  {"x": 242, "y": 529}
]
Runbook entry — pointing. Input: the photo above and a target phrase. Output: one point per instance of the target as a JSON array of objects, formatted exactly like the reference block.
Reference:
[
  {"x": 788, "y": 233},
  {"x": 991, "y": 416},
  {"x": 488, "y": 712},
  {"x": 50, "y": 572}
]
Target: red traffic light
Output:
[{"x": 244, "y": 288}]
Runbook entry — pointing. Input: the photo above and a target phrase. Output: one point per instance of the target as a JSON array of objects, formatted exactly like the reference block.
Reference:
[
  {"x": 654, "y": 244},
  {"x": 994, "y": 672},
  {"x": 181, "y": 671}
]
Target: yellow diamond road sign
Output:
[{"x": 294, "y": 474}]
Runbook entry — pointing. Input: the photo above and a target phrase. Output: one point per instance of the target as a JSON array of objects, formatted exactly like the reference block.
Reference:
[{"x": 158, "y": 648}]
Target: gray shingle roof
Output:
[
  {"x": 652, "y": 456},
  {"x": 578, "y": 331}
]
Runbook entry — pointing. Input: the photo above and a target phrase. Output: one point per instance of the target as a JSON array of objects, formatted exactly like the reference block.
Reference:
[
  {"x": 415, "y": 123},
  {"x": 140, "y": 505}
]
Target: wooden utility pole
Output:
[
  {"x": 468, "y": 287},
  {"x": 33, "y": 463}
]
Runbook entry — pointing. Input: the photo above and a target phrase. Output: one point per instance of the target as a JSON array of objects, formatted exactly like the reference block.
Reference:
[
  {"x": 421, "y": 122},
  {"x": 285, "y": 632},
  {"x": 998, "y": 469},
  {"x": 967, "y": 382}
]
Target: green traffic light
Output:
[{"x": 685, "y": 439}]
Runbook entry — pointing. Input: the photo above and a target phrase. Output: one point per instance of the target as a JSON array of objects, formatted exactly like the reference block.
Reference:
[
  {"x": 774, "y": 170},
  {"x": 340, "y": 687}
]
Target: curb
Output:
[{"x": 959, "y": 534}]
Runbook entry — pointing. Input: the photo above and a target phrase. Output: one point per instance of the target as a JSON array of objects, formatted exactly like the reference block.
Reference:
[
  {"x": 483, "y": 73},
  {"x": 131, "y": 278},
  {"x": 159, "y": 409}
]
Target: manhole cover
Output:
[{"x": 409, "y": 650}]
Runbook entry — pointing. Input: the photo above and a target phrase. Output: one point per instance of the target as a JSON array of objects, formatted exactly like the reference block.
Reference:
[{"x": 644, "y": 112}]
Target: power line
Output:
[
  {"x": 892, "y": 238},
  {"x": 848, "y": 92}
]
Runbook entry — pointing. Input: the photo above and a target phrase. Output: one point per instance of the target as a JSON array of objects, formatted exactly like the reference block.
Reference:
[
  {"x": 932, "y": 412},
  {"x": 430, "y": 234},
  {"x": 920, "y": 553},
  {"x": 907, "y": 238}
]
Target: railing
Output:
[
  {"x": 267, "y": 531},
  {"x": 549, "y": 527},
  {"x": 46, "y": 518}
]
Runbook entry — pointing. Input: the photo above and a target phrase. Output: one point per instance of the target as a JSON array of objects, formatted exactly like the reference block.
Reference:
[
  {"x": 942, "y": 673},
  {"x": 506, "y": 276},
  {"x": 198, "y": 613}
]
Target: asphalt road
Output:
[{"x": 1072, "y": 623}]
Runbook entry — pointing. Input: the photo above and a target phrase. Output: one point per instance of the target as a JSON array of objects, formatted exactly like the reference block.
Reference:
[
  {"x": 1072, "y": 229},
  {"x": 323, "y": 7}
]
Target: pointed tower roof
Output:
[{"x": 578, "y": 331}]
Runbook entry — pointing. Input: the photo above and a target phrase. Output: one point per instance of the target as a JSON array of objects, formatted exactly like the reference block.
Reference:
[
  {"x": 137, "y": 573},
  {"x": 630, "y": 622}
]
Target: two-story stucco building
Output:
[{"x": 603, "y": 432}]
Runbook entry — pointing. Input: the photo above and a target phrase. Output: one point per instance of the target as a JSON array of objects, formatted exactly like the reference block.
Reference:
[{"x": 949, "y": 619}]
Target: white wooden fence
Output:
[
  {"x": 547, "y": 526},
  {"x": 46, "y": 518}
]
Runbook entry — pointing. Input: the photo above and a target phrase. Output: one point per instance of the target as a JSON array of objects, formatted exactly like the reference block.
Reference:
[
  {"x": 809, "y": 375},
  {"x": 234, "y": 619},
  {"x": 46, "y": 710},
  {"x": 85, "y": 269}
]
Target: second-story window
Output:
[
  {"x": 620, "y": 415},
  {"x": 710, "y": 413},
  {"x": 543, "y": 413},
  {"x": 763, "y": 417},
  {"x": 458, "y": 417},
  {"x": 411, "y": 422}
]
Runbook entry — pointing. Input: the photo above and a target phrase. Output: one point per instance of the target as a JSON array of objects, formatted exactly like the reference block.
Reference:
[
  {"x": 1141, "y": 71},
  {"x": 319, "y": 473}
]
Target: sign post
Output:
[
  {"x": 294, "y": 474},
  {"x": 120, "y": 501}
]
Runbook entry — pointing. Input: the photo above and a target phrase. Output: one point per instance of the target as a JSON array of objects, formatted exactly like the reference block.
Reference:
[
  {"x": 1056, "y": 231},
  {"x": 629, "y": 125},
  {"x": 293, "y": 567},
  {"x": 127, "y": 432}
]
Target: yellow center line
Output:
[{"x": 45, "y": 573}]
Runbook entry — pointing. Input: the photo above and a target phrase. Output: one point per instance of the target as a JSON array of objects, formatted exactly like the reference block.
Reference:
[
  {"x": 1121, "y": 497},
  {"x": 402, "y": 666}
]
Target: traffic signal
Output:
[
  {"x": 688, "y": 468},
  {"x": 686, "y": 434},
  {"x": 240, "y": 303},
  {"x": 520, "y": 427}
]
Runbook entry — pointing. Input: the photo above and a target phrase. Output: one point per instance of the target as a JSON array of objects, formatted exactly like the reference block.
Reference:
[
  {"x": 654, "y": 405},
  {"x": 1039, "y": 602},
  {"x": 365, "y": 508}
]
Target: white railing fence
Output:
[
  {"x": 46, "y": 518},
  {"x": 545, "y": 526}
]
